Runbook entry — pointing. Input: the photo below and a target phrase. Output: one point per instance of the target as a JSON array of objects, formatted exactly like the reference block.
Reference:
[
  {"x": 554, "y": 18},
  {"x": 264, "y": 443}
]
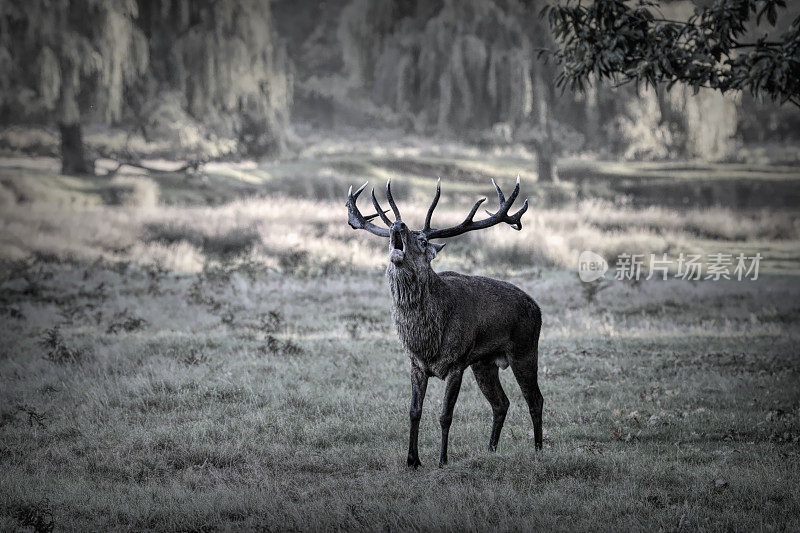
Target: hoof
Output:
[
  {"x": 413, "y": 463},
  {"x": 538, "y": 445},
  {"x": 442, "y": 462},
  {"x": 492, "y": 448}
]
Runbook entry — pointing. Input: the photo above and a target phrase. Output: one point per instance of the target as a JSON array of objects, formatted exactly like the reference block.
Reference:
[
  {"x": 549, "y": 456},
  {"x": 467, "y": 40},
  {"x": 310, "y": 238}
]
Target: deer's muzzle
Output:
[{"x": 397, "y": 253}]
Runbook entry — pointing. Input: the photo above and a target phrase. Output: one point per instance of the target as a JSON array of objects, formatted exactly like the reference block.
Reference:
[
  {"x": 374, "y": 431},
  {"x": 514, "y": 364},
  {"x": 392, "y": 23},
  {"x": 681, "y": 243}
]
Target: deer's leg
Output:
[
  {"x": 487, "y": 376},
  {"x": 525, "y": 370},
  {"x": 452, "y": 384},
  {"x": 419, "y": 383}
]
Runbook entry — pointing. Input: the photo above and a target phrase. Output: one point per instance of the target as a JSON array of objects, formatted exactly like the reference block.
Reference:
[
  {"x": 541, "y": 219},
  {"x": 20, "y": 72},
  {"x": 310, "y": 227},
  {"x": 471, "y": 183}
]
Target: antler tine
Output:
[
  {"x": 500, "y": 197},
  {"x": 435, "y": 201},
  {"x": 359, "y": 221},
  {"x": 380, "y": 211},
  {"x": 474, "y": 210},
  {"x": 391, "y": 200},
  {"x": 373, "y": 215},
  {"x": 350, "y": 193},
  {"x": 505, "y": 205},
  {"x": 515, "y": 220}
]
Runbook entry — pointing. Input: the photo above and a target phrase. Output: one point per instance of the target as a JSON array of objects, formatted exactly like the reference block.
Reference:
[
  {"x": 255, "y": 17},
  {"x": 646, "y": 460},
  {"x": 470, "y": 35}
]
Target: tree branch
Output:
[
  {"x": 765, "y": 44},
  {"x": 193, "y": 165}
]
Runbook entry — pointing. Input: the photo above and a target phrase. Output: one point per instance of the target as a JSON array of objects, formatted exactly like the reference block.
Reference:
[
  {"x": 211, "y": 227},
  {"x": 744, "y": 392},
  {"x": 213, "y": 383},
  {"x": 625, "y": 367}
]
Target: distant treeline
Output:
[
  {"x": 205, "y": 78},
  {"x": 472, "y": 68},
  {"x": 208, "y": 77}
]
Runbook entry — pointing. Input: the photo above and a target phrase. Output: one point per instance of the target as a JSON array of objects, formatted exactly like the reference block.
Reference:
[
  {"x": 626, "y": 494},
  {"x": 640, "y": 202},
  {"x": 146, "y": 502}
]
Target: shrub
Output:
[
  {"x": 30, "y": 140},
  {"x": 271, "y": 322},
  {"x": 131, "y": 191},
  {"x": 291, "y": 261},
  {"x": 57, "y": 349},
  {"x": 7, "y": 196},
  {"x": 227, "y": 245},
  {"x": 37, "y": 516},
  {"x": 275, "y": 345},
  {"x": 171, "y": 233},
  {"x": 233, "y": 243},
  {"x": 124, "y": 321},
  {"x": 194, "y": 358}
]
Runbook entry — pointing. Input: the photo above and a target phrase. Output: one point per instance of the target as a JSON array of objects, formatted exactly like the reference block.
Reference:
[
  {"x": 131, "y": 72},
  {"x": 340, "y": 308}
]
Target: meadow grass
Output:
[
  {"x": 183, "y": 366},
  {"x": 237, "y": 399}
]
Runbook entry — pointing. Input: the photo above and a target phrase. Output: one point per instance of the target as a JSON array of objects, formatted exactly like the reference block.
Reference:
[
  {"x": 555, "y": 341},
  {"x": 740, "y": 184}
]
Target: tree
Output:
[
  {"x": 544, "y": 139},
  {"x": 455, "y": 67},
  {"x": 612, "y": 39},
  {"x": 216, "y": 64},
  {"x": 224, "y": 59},
  {"x": 71, "y": 60}
]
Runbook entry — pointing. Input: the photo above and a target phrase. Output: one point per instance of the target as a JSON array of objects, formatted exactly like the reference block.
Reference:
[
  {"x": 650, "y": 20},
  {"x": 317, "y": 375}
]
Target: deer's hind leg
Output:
[
  {"x": 525, "y": 368},
  {"x": 487, "y": 376}
]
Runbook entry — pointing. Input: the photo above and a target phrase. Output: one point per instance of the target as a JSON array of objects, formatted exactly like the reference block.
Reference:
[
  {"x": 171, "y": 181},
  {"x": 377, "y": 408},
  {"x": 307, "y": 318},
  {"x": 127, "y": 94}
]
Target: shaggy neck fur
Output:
[{"x": 416, "y": 309}]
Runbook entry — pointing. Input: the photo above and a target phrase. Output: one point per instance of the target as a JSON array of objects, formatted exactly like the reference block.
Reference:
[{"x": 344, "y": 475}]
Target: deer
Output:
[{"x": 448, "y": 321}]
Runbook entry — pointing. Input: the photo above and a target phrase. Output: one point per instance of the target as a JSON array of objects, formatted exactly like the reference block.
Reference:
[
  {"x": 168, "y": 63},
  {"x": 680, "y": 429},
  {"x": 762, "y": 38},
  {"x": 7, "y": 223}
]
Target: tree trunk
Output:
[
  {"x": 592, "y": 110},
  {"x": 546, "y": 168},
  {"x": 73, "y": 157},
  {"x": 545, "y": 149}
]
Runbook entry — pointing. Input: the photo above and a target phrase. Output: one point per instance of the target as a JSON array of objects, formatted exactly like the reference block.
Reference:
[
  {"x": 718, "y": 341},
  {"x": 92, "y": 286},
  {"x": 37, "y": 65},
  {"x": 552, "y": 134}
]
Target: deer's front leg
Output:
[
  {"x": 419, "y": 383},
  {"x": 452, "y": 385}
]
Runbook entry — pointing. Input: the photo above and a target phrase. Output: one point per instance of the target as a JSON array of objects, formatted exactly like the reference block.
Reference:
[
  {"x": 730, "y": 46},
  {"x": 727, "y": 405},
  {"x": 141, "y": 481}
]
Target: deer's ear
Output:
[{"x": 434, "y": 249}]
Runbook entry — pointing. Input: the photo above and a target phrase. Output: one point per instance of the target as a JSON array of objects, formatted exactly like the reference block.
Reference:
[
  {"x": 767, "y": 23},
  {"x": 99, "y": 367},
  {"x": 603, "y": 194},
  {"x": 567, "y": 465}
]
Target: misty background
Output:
[{"x": 231, "y": 80}]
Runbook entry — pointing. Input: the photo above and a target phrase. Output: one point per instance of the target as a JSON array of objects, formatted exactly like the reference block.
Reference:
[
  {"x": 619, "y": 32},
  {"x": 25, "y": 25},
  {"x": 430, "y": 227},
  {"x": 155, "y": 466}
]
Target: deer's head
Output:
[{"x": 412, "y": 249}]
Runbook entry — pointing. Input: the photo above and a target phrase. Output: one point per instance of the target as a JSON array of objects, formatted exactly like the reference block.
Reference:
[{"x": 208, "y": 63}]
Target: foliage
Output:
[
  {"x": 58, "y": 57},
  {"x": 210, "y": 77},
  {"x": 449, "y": 67},
  {"x": 677, "y": 124},
  {"x": 613, "y": 39},
  {"x": 165, "y": 119},
  {"x": 225, "y": 61}
]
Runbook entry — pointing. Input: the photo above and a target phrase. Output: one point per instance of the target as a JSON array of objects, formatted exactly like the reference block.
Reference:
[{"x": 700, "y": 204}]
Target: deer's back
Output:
[{"x": 490, "y": 315}]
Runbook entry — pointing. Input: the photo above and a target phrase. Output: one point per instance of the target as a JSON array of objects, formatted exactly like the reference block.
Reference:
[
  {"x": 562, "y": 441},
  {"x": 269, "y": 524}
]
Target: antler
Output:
[
  {"x": 427, "y": 226},
  {"x": 359, "y": 221},
  {"x": 469, "y": 225},
  {"x": 391, "y": 200}
]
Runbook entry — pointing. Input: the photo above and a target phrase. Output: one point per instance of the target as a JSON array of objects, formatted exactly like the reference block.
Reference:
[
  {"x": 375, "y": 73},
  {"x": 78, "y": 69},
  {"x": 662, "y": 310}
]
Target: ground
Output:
[{"x": 172, "y": 365}]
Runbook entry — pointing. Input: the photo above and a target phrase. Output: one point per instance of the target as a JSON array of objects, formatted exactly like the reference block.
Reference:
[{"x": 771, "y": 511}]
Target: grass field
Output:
[{"x": 168, "y": 364}]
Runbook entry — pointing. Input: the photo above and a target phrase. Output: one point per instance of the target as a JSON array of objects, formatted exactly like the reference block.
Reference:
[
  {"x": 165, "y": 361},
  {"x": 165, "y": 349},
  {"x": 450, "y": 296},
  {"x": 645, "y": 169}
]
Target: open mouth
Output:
[
  {"x": 397, "y": 254},
  {"x": 396, "y": 241}
]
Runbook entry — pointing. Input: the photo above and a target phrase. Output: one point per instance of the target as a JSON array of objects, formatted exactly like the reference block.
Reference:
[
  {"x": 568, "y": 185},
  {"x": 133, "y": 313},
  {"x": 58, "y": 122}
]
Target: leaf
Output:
[{"x": 772, "y": 15}]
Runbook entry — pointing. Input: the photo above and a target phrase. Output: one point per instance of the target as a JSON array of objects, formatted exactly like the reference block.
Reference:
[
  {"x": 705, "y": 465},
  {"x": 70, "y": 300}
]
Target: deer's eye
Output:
[{"x": 423, "y": 242}]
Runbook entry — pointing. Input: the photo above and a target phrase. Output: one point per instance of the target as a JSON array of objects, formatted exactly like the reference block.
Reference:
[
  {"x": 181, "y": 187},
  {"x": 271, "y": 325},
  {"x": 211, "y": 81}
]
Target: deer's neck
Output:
[{"x": 417, "y": 309}]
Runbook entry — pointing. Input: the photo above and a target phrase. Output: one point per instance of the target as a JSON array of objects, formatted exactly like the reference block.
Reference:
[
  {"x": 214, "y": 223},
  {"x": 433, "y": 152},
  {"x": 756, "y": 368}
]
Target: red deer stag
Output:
[{"x": 449, "y": 321}]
